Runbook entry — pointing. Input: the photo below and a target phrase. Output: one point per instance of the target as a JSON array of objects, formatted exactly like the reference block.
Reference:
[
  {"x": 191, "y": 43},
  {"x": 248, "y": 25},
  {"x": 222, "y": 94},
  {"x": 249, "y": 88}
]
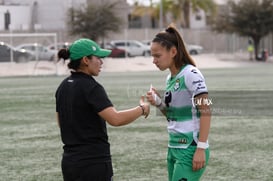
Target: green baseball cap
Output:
[{"x": 85, "y": 47}]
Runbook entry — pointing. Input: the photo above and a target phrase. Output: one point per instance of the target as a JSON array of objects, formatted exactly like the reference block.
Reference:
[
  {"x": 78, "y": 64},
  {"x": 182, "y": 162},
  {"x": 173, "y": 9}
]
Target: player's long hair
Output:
[{"x": 171, "y": 37}]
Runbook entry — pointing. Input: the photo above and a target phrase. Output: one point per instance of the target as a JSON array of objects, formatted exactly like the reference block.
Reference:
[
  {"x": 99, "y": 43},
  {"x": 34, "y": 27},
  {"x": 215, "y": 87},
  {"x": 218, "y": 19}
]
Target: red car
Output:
[{"x": 116, "y": 52}]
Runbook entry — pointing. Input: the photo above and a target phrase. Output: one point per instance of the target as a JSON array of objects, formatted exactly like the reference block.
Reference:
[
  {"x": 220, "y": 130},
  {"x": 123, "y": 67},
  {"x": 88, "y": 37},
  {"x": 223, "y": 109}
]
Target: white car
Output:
[
  {"x": 132, "y": 47},
  {"x": 59, "y": 45},
  {"x": 39, "y": 51},
  {"x": 194, "y": 49}
]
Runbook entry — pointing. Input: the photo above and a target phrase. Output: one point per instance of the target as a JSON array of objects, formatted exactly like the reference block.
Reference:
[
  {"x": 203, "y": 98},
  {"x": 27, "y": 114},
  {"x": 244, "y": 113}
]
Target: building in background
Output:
[
  {"x": 45, "y": 15},
  {"x": 11, "y": 17},
  {"x": 37, "y": 15},
  {"x": 51, "y": 15}
]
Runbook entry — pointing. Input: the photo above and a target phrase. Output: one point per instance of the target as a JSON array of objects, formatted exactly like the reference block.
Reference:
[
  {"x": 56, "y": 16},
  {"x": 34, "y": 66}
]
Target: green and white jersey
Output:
[{"x": 181, "y": 112}]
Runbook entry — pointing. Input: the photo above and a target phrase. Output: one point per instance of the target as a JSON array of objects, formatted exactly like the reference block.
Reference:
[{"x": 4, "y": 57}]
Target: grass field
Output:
[{"x": 30, "y": 145}]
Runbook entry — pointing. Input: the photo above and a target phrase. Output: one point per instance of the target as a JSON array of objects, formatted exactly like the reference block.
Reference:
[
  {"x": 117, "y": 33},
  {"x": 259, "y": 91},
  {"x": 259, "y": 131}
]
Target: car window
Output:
[
  {"x": 33, "y": 48},
  {"x": 40, "y": 48},
  {"x": 58, "y": 46},
  {"x": 27, "y": 48},
  {"x": 120, "y": 44},
  {"x": 133, "y": 44},
  {"x": 109, "y": 46},
  {"x": 62, "y": 46},
  {"x": 4, "y": 48}
]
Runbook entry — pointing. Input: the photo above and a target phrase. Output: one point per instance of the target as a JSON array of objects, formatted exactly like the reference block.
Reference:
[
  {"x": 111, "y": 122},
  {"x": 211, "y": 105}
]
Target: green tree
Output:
[
  {"x": 153, "y": 10},
  {"x": 94, "y": 21},
  {"x": 179, "y": 10},
  {"x": 247, "y": 18},
  {"x": 182, "y": 8}
]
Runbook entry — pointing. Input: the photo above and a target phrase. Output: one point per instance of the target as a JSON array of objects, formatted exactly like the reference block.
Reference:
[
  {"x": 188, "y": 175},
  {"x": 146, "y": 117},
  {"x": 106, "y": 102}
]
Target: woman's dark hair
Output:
[
  {"x": 171, "y": 37},
  {"x": 64, "y": 54}
]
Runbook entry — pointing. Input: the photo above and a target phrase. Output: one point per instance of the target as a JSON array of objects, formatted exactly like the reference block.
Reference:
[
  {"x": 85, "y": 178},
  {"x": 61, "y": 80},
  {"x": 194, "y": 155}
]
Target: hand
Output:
[
  {"x": 145, "y": 105},
  {"x": 153, "y": 97},
  {"x": 199, "y": 159}
]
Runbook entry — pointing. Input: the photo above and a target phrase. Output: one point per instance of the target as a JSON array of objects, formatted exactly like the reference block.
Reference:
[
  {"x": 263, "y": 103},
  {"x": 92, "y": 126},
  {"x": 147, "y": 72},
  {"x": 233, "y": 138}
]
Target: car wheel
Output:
[
  {"x": 51, "y": 58},
  {"x": 146, "y": 53},
  {"x": 22, "y": 59},
  {"x": 121, "y": 55},
  {"x": 193, "y": 52}
]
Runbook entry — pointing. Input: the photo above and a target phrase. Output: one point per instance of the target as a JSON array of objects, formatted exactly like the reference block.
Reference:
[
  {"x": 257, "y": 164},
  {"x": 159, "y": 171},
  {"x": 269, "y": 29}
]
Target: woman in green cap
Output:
[{"x": 82, "y": 107}]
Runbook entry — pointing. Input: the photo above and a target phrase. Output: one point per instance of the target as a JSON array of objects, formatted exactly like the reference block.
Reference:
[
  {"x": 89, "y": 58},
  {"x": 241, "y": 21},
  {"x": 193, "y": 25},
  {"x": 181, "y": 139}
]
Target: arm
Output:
[
  {"x": 120, "y": 118},
  {"x": 199, "y": 158},
  {"x": 58, "y": 120},
  {"x": 204, "y": 119}
]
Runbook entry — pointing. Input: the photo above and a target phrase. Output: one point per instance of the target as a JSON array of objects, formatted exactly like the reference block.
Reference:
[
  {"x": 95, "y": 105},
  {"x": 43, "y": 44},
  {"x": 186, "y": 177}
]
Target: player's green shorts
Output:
[{"x": 180, "y": 164}]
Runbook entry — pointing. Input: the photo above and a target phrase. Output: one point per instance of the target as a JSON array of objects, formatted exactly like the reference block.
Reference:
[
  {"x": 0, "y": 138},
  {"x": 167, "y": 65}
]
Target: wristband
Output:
[
  {"x": 202, "y": 145},
  {"x": 157, "y": 99},
  {"x": 142, "y": 107},
  {"x": 158, "y": 102}
]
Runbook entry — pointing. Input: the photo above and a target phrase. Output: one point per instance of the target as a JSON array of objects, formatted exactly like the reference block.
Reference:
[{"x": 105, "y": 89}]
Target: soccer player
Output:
[{"x": 185, "y": 105}]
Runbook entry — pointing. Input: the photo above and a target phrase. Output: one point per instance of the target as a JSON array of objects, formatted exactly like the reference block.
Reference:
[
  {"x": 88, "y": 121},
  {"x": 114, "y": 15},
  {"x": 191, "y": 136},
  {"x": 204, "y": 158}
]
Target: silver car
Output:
[
  {"x": 194, "y": 49},
  {"x": 39, "y": 51},
  {"x": 132, "y": 47},
  {"x": 9, "y": 54}
]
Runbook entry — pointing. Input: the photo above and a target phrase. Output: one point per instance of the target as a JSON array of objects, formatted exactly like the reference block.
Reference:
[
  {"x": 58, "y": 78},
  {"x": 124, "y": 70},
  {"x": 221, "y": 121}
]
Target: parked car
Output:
[
  {"x": 59, "y": 45},
  {"x": 39, "y": 51},
  {"x": 18, "y": 56},
  {"x": 147, "y": 42},
  {"x": 194, "y": 49},
  {"x": 133, "y": 47},
  {"x": 116, "y": 52}
]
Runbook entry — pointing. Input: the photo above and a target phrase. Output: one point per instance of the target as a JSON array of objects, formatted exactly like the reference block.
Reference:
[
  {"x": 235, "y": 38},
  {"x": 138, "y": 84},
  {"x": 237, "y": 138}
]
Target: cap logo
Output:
[{"x": 94, "y": 48}]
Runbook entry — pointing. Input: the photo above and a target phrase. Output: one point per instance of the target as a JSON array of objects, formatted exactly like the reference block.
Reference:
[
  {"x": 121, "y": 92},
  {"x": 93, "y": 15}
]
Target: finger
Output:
[
  {"x": 148, "y": 112},
  {"x": 146, "y": 116},
  {"x": 198, "y": 166},
  {"x": 150, "y": 99},
  {"x": 193, "y": 166},
  {"x": 149, "y": 95}
]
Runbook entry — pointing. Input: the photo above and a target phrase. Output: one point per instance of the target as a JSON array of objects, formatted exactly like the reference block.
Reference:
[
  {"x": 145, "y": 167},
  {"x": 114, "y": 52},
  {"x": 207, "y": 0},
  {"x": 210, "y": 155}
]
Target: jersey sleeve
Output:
[
  {"x": 57, "y": 95},
  {"x": 98, "y": 98},
  {"x": 195, "y": 82}
]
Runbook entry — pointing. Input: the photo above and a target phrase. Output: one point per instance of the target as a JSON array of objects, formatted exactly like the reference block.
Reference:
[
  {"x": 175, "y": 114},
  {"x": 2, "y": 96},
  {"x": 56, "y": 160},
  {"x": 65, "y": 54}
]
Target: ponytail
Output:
[{"x": 65, "y": 55}]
